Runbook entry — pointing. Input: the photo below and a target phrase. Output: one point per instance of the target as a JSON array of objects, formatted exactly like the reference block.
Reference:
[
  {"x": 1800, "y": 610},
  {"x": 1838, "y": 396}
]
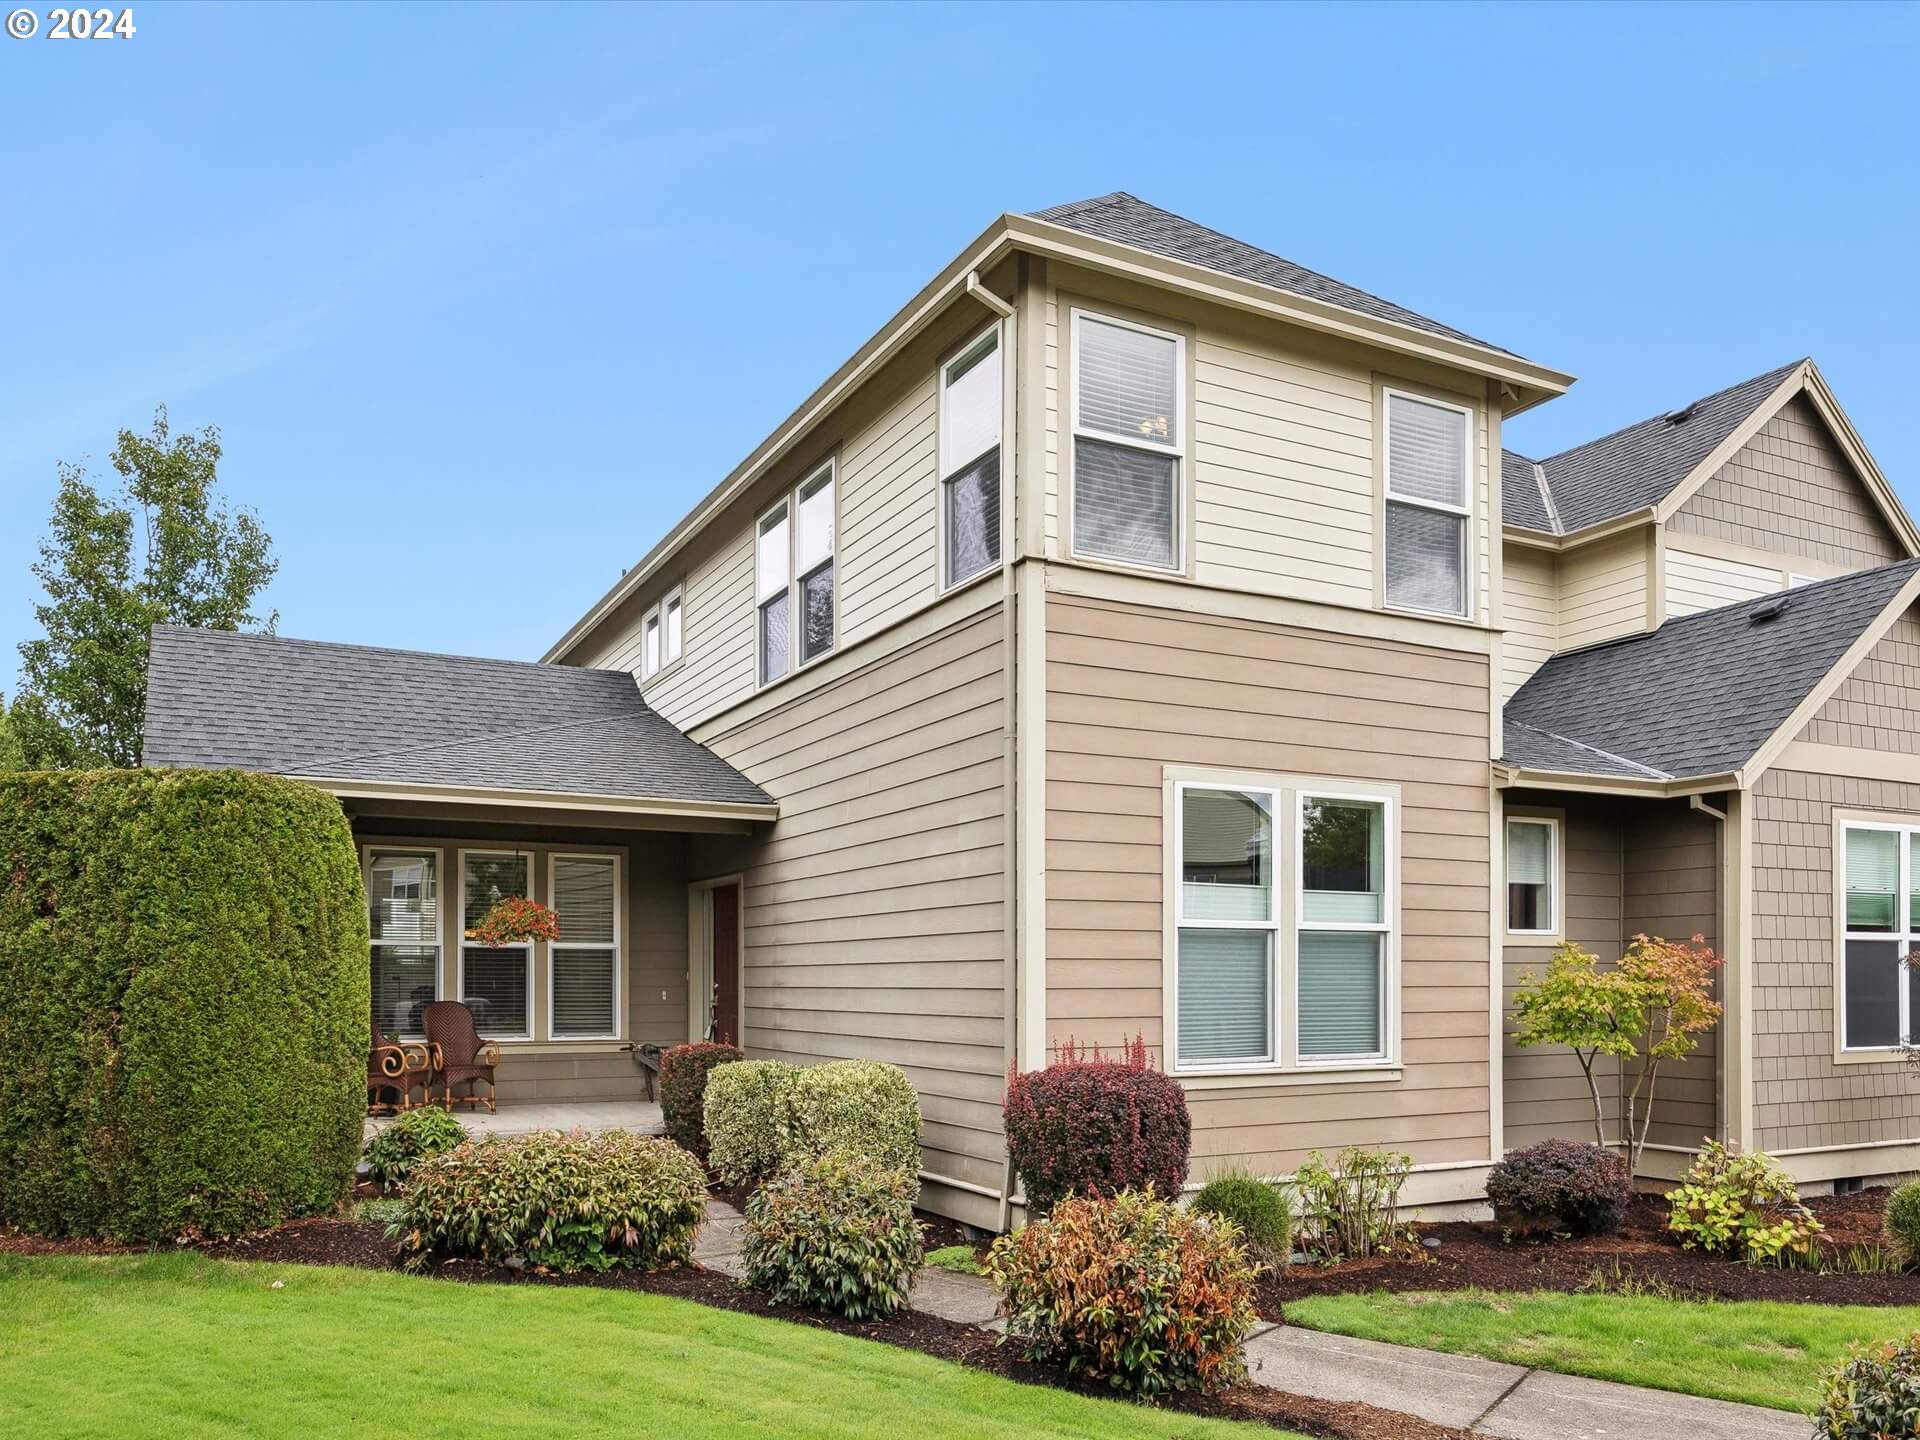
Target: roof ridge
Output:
[
  {"x": 1696, "y": 402},
  {"x": 520, "y": 733},
  {"x": 337, "y": 645},
  {"x": 1546, "y": 496},
  {"x": 1593, "y": 749}
]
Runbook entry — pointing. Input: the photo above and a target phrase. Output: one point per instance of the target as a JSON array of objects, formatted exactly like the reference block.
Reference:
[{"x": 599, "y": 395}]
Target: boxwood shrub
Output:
[
  {"x": 1259, "y": 1208},
  {"x": 1096, "y": 1126},
  {"x": 683, "y": 1090},
  {"x": 836, "y": 1233},
  {"x": 1902, "y": 1223},
  {"x": 861, "y": 1107},
  {"x": 183, "y": 1002},
  {"x": 746, "y": 1119},
  {"x": 561, "y": 1202}
]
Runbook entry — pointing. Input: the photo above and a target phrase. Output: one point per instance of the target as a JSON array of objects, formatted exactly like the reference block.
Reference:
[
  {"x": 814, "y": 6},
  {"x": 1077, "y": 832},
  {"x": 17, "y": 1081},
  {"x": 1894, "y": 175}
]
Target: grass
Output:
[
  {"x": 171, "y": 1346},
  {"x": 957, "y": 1258},
  {"x": 1758, "y": 1352}
]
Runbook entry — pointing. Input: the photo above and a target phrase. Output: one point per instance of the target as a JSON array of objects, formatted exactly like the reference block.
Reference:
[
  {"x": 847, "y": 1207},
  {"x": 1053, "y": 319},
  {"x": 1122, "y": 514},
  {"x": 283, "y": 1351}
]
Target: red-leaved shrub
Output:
[
  {"x": 1561, "y": 1185},
  {"x": 683, "y": 1091},
  {"x": 1089, "y": 1125}
]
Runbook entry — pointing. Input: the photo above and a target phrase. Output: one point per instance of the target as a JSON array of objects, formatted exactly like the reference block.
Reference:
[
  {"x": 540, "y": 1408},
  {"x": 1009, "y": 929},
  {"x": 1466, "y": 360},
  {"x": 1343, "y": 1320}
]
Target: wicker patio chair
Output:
[
  {"x": 461, "y": 1056},
  {"x": 401, "y": 1069}
]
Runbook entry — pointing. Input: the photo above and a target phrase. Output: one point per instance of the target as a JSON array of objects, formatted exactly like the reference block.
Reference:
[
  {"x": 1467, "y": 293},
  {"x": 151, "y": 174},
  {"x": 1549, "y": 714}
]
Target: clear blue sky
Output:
[{"x": 482, "y": 299}]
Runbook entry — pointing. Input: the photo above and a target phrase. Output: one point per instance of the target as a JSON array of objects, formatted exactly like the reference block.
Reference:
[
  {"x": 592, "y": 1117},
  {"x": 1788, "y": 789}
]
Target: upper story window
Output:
[
  {"x": 970, "y": 404},
  {"x": 794, "y": 577},
  {"x": 1429, "y": 507},
  {"x": 1533, "y": 866},
  {"x": 660, "y": 636},
  {"x": 1129, "y": 441},
  {"x": 1876, "y": 990}
]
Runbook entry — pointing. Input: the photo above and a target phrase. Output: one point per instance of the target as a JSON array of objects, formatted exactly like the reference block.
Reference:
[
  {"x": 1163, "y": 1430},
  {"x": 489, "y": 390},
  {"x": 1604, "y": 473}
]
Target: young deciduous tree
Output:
[
  {"x": 1591, "y": 1011},
  {"x": 162, "y": 551}
]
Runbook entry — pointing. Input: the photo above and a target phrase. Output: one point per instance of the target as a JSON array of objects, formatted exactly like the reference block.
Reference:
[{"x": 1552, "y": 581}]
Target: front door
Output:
[{"x": 723, "y": 963}]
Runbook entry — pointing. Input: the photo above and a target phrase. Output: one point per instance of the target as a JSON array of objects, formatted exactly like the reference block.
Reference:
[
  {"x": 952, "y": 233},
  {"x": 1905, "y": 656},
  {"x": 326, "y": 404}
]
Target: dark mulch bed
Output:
[{"x": 1474, "y": 1256}]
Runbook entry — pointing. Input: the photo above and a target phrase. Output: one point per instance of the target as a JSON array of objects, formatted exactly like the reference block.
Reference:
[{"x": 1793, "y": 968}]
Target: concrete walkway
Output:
[{"x": 1484, "y": 1396}]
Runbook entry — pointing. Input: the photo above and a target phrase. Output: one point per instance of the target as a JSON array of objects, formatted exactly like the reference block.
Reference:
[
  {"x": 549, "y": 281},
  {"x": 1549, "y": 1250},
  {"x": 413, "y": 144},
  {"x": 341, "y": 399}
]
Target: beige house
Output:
[{"x": 1143, "y": 635}]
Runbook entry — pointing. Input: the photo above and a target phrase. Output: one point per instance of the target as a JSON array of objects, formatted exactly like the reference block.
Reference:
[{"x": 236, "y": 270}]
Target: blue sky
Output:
[{"x": 482, "y": 299}]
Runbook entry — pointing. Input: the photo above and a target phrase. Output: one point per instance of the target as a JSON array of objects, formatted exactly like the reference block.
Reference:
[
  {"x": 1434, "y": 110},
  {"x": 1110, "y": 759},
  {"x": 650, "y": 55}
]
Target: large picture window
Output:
[
  {"x": 496, "y": 982},
  {"x": 970, "y": 403},
  {"x": 403, "y": 918},
  {"x": 1428, "y": 504},
  {"x": 1267, "y": 975},
  {"x": 584, "y": 963},
  {"x": 1129, "y": 441},
  {"x": 1880, "y": 926}
]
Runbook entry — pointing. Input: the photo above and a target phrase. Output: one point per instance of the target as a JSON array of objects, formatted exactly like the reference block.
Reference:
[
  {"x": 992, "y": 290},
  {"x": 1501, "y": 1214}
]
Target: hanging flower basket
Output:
[{"x": 514, "y": 921}]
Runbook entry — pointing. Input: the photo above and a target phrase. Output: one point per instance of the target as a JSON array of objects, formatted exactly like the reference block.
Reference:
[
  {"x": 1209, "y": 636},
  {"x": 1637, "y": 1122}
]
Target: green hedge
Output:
[{"x": 183, "y": 1002}]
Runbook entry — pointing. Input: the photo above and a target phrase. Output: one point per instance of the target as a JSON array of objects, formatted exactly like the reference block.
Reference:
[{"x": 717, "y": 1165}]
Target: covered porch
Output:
[{"x": 637, "y": 1117}]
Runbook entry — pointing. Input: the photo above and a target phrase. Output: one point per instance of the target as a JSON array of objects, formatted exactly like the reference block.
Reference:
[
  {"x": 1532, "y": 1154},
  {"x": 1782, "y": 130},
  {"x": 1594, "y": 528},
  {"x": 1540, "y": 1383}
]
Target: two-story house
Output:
[{"x": 1144, "y": 635}]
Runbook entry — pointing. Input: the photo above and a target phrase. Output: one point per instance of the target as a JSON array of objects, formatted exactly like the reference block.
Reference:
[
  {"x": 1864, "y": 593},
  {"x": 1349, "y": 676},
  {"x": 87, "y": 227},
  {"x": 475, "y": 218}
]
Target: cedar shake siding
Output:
[
  {"x": 1878, "y": 706},
  {"x": 875, "y": 904},
  {"x": 1132, "y": 690},
  {"x": 1791, "y": 491}
]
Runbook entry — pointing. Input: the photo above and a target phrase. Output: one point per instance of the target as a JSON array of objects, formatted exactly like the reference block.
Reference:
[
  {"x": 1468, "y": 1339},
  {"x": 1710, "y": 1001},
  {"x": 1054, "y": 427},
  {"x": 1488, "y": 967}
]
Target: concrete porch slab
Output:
[{"x": 641, "y": 1117}]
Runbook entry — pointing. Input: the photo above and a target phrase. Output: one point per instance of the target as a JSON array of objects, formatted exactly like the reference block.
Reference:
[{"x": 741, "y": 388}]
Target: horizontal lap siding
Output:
[
  {"x": 875, "y": 904},
  {"x": 1131, "y": 690},
  {"x": 1672, "y": 889},
  {"x": 886, "y": 544},
  {"x": 1532, "y": 598},
  {"x": 1790, "y": 489},
  {"x": 1706, "y": 582},
  {"x": 1603, "y": 591}
]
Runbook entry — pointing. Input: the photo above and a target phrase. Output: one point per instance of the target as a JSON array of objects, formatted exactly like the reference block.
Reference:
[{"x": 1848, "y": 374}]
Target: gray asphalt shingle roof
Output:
[
  {"x": 1129, "y": 220},
  {"x": 1630, "y": 469},
  {"x": 1701, "y": 694},
  {"x": 305, "y": 707}
]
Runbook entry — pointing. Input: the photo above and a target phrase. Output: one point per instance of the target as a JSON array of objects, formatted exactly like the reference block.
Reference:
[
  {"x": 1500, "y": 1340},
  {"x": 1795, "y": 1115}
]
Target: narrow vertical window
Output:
[
  {"x": 650, "y": 645},
  {"x": 1876, "y": 987},
  {"x": 1340, "y": 988},
  {"x": 773, "y": 575},
  {"x": 1533, "y": 864},
  {"x": 970, "y": 403},
  {"x": 1224, "y": 968},
  {"x": 813, "y": 556},
  {"x": 1427, "y": 504},
  {"x": 496, "y": 982},
  {"x": 1128, "y": 442},
  {"x": 584, "y": 963},
  {"x": 670, "y": 628},
  {"x": 403, "y": 918}
]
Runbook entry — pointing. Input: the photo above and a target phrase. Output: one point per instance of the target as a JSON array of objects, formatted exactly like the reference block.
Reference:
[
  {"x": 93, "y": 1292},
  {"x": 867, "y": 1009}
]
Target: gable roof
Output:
[
  {"x": 359, "y": 713},
  {"x": 1631, "y": 469},
  {"x": 1702, "y": 694},
  {"x": 1129, "y": 220}
]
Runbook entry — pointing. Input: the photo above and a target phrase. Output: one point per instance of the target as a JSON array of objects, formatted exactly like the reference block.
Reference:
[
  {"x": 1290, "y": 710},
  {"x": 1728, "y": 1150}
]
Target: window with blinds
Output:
[
  {"x": 403, "y": 920},
  {"x": 1533, "y": 865},
  {"x": 584, "y": 963},
  {"x": 1428, "y": 504},
  {"x": 1269, "y": 976},
  {"x": 813, "y": 556},
  {"x": 970, "y": 405},
  {"x": 496, "y": 983},
  {"x": 772, "y": 576},
  {"x": 1877, "y": 995},
  {"x": 1128, "y": 442}
]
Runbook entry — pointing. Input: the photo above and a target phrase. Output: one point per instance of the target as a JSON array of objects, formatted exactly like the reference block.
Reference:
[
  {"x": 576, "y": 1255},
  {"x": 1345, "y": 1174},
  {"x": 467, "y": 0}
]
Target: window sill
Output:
[
  {"x": 1380, "y": 1072},
  {"x": 1444, "y": 617},
  {"x": 1887, "y": 1055},
  {"x": 1127, "y": 567},
  {"x": 1534, "y": 937}
]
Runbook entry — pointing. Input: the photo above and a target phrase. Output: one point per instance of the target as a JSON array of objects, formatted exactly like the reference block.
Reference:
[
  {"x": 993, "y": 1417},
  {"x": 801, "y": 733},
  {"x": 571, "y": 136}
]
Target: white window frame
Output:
[
  {"x": 656, "y": 652},
  {"x": 760, "y": 602},
  {"x": 1904, "y": 936},
  {"x": 1177, "y": 451},
  {"x": 1555, "y": 871},
  {"x": 673, "y": 643},
  {"x": 1287, "y": 795},
  {"x": 618, "y": 947},
  {"x": 949, "y": 581},
  {"x": 650, "y": 638},
  {"x": 790, "y": 502},
  {"x": 526, "y": 946},
  {"x": 1468, "y": 537},
  {"x": 401, "y": 847}
]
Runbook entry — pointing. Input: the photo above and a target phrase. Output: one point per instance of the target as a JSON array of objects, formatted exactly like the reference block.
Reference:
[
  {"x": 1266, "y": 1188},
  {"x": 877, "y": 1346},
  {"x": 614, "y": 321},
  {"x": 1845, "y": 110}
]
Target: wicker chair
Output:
[
  {"x": 461, "y": 1057},
  {"x": 394, "y": 1067}
]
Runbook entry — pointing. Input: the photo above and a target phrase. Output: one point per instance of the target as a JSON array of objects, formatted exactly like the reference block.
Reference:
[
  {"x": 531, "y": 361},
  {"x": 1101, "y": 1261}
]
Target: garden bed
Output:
[{"x": 1474, "y": 1256}]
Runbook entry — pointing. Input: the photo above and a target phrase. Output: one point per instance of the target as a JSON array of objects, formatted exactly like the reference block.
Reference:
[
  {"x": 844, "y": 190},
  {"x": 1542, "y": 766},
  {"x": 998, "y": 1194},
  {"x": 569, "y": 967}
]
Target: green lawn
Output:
[
  {"x": 1758, "y": 1352},
  {"x": 177, "y": 1345}
]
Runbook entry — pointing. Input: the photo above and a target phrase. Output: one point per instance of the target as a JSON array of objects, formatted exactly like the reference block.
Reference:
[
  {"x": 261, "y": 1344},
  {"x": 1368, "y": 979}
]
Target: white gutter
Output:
[{"x": 354, "y": 789}]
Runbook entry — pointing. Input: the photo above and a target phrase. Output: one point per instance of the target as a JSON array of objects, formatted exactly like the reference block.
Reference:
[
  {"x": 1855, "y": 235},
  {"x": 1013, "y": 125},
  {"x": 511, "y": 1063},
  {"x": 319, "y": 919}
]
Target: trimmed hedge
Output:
[
  {"x": 183, "y": 1002},
  {"x": 746, "y": 1119},
  {"x": 683, "y": 1090},
  {"x": 860, "y": 1107},
  {"x": 1096, "y": 1127}
]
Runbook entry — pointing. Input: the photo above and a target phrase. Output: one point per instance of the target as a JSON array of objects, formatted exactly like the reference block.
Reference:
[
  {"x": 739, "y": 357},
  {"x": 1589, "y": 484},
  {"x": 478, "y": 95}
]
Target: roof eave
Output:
[
  {"x": 350, "y": 788},
  {"x": 1604, "y": 530},
  {"x": 1519, "y": 777}
]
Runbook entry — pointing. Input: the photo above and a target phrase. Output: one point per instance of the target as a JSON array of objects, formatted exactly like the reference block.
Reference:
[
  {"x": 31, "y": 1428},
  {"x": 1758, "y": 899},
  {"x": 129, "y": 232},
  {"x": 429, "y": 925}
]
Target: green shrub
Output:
[
  {"x": 837, "y": 1234},
  {"x": 1351, "y": 1209},
  {"x": 1560, "y": 1186},
  {"x": 1743, "y": 1205},
  {"x": 563, "y": 1202},
  {"x": 183, "y": 1002},
  {"x": 683, "y": 1090},
  {"x": 746, "y": 1119},
  {"x": 1903, "y": 1223},
  {"x": 408, "y": 1139},
  {"x": 860, "y": 1107},
  {"x": 1258, "y": 1208},
  {"x": 1128, "y": 1289},
  {"x": 1874, "y": 1394}
]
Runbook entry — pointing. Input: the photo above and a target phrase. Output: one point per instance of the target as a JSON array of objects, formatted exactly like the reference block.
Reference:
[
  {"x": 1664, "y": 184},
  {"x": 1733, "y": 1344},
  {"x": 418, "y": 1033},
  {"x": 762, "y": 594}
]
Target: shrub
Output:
[
  {"x": 861, "y": 1107},
  {"x": 1742, "y": 1205},
  {"x": 1259, "y": 1209},
  {"x": 1561, "y": 1186},
  {"x": 1087, "y": 1126},
  {"x": 564, "y": 1202},
  {"x": 183, "y": 1002},
  {"x": 1873, "y": 1394},
  {"x": 746, "y": 1119},
  {"x": 1128, "y": 1289},
  {"x": 1352, "y": 1209},
  {"x": 958, "y": 1259},
  {"x": 837, "y": 1234},
  {"x": 683, "y": 1090},
  {"x": 411, "y": 1137},
  {"x": 1903, "y": 1223}
]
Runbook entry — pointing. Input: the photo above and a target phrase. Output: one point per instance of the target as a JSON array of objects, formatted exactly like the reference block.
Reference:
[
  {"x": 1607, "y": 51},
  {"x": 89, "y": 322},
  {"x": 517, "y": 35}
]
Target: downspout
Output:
[{"x": 1721, "y": 1105}]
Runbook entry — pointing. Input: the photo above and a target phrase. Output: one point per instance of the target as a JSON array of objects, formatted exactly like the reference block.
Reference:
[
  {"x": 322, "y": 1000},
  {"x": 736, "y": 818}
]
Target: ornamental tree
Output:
[
  {"x": 1674, "y": 981},
  {"x": 1591, "y": 1011}
]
